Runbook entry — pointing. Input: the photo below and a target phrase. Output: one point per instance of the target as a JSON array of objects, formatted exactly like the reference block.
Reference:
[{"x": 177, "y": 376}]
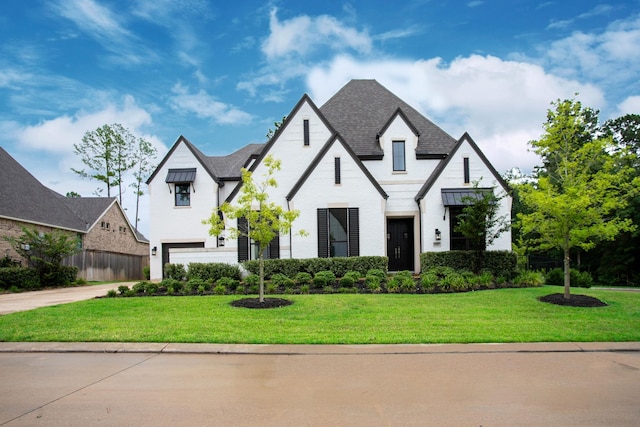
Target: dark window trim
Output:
[
  {"x": 324, "y": 232},
  {"x": 396, "y": 158},
  {"x": 337, "y": 170},
  {"x": 188, "y": 193}
]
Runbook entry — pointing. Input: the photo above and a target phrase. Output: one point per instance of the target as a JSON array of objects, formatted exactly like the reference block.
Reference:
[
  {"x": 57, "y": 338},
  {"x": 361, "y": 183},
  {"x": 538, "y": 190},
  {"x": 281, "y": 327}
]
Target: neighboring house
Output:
[
  {"x": 111, "y": 247},
  {"x": 368, "y": 173}
]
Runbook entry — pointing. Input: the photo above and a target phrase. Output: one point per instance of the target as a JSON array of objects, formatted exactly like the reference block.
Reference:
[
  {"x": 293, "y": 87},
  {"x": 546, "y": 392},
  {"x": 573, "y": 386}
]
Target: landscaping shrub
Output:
[
  {"x": 373, "y": 282},
  {"x": 338, "y": 265},
  {"x": 111, "y": 293},
  {"x": 150, "y": 288},
  {"x": 146, "y": 271},
  {"x": 304, "y": 289},
  {"x": 229, "y": 283},
  {"x": 211, "y": 272},
  {"x": 529, "y": 279},
  {"x": 429, "y": 280},
  {"x": 139, "y": 287},
  {"x": 271, "y": 288},
  {"x": 19, "y": 278},
  {"x": 579, "y": 279},
  {"x": 122, "y": 289},
  {"x": 54, "y": 276},
  {"x": 252, "y": 280},
  {"x": 323, "y": 279},
  {"x": 280, "y": 279},
  {"x": 499, "y": 263},
  {"x": 175, "y": 271},
  {"x": 220, "y": 289},
  {"x": 193, "y": 285},
  {"x": 303, "y": 278}
]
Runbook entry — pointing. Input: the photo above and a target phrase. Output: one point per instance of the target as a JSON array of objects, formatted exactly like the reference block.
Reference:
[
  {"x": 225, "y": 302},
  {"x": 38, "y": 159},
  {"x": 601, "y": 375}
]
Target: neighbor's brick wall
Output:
[
  {"x": 11, "y": 228},
  {"x": 114, "y": 235}
]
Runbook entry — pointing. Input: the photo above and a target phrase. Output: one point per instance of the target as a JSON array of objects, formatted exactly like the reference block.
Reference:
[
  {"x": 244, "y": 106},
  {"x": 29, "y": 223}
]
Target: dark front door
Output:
[{"x": 400, "y": 243}]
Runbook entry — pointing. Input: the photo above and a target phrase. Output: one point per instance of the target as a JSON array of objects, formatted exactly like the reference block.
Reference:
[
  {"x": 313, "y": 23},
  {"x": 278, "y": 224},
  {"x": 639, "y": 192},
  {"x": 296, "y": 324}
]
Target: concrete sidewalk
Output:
[{"x": 315, "y": 349}]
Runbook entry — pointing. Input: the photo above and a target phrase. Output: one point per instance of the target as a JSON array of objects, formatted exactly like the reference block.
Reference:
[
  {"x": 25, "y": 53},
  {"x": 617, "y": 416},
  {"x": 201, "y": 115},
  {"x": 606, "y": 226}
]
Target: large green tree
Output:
[
  {"x": 106, "y": 152},
  {"x": 265, "y": 219},
  {"x": 582, "y": 183}
]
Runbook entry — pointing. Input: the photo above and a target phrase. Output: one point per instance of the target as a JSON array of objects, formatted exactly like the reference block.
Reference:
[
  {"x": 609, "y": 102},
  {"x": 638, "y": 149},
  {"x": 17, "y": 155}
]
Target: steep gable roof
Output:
[
  {"x": 332, "y": 140},
  {"x": 24, "y": 198},
  {"x": 443, "y": 165},
  {"x": 362, "y": 108}
]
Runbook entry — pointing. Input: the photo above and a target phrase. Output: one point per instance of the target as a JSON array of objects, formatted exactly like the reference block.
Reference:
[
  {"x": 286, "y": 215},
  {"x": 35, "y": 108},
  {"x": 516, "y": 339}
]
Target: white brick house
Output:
[{"x": 368, "y": 173}]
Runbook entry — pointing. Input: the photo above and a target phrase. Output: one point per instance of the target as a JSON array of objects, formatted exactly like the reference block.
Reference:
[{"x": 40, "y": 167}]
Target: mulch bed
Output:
[
  {"x": 574, "y": 301},
  {"x": 267, "y": 303}
]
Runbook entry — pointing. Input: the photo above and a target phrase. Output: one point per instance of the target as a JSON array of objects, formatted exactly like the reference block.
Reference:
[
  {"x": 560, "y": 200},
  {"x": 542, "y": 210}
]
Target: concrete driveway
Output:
[
  {"x": 221, "y": 385},
  {"x": 10, "y": 303}
]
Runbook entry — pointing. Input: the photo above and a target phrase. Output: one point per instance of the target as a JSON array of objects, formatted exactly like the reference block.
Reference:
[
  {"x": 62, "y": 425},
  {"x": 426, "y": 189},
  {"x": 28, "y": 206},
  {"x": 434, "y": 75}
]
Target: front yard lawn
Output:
[{"x": 504, "y": 315}]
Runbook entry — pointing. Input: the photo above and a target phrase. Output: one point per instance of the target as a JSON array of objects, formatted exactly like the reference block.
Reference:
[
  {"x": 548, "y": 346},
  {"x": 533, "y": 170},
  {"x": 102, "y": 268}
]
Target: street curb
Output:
[{"x": 311, "y": 349}]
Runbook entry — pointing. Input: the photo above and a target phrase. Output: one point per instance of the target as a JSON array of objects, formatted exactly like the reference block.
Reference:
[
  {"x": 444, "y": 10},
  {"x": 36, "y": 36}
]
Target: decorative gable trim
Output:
[
  {"x": 316, "y": 161},
  {"x": 196, "y": 153},
  {"x": 404, "y": 117},
  {"x": 443, "y": 165},
  {"x": 305, "y": 99}
]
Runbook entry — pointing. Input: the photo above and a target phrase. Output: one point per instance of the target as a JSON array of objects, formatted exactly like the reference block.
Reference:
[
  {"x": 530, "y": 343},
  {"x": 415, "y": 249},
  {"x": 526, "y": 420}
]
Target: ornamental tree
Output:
[
  {"x": 580, "y": 186},
  {"x": 265, "y": 219}
]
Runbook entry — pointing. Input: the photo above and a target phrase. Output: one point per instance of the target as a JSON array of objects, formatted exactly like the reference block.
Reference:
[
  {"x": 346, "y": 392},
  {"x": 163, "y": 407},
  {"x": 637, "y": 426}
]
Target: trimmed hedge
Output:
[
  {"x": 499, "y": 263},
  {"x": 213, "y": 271},
  {"x": 19, "y": 277},
  {"x": 339, "y": 266}
]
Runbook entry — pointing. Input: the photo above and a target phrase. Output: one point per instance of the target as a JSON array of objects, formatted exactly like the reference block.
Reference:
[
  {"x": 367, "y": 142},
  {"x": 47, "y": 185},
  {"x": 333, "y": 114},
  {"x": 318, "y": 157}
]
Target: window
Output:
[
  {"x": 458, "y": 241},
  {"x": 183, "y": 194},
  {"x": 467, "y": 178},
  {"x": 305, "y": 123},
  {"x": 249, "y": 249},
  {"x": 398, "y": 156},
  {"x": 337, "y": 170},
  {"x": 338, "y": 232}
]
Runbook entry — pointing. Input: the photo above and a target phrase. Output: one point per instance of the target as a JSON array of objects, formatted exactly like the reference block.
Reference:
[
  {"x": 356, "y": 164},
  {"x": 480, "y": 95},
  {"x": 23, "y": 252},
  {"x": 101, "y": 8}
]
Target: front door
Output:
[{"x": 400, "y": 244}]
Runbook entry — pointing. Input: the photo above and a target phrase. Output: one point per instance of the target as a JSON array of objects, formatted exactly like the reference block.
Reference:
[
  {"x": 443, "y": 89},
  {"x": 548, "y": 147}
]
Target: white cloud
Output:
[
  {"x": 631, "y": 105},
  {"x": 303, "y": 34},
  {"x": 206, "y": 106},
  {"x": 502, "y": 104},
  {"x": 59, "y": 134}
]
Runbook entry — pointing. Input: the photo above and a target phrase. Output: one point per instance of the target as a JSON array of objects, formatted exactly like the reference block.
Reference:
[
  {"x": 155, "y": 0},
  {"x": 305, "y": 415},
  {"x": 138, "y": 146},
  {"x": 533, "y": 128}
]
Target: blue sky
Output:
[{"x": 220, "y": 73}]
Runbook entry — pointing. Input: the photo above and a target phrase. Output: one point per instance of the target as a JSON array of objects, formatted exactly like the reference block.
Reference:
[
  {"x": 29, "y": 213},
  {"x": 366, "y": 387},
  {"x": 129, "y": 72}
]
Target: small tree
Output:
[
  {"x": 44, "y": 251},
  {"x": 142, "y": 155},
  {"x": 581, "y": 185},
  {"x": 479, "y": 222},
  {"x": 265, "y": 219}
]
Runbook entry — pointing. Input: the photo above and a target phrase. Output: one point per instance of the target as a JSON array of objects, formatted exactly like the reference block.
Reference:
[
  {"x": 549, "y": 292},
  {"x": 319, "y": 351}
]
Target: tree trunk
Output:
[
  {"x": 261, "y": 292},
  {"x": 567, "y": 274}
]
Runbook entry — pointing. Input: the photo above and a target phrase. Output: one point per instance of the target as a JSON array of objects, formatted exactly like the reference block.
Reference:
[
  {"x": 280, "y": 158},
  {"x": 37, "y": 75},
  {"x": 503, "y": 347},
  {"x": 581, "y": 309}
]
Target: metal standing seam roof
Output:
[
  {"x": 181, "y": 175},
  {"x": 462, "y": 196}
]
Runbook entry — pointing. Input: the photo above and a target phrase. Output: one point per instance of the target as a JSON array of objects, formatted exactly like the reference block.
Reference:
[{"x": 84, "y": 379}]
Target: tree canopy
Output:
[{"x": 581, "y": 184}]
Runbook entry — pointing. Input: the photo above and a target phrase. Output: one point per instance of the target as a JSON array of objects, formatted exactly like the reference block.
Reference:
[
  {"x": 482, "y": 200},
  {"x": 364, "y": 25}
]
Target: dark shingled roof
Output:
[
  {"x": 25, "y": 198},
  {"x": 228, "y": 167},
  {"x": 363, "y": 108}
]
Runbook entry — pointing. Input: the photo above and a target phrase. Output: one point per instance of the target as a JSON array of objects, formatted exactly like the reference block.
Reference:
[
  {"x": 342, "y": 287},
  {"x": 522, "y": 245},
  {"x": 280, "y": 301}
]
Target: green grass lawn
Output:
[{"x": 505, "y": 315}]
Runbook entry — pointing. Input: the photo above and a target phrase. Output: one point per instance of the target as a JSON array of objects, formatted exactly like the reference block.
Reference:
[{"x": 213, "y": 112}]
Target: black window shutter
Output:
[
  {"x": 274, "y": 247},
  {"x": 337, "y": 170},
  {"x": 243, "y": 241},
  {"x": 354, "y": 232},
  {"x": 323, "y": 233},
  {"x": 467, "y": 177}
]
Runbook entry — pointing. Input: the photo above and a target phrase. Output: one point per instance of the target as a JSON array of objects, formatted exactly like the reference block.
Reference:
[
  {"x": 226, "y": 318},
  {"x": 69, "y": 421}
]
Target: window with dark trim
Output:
[
  {"x": 337, "y": 170},
  {"x": 305, "y": 123},
  {"x": 338, "y": 232},
  {"x": 249, "y": 249},
  {"x": 398, "y": 156},
  {"x": 467, "y": 178},
  {"x": 183, "y": 194}
]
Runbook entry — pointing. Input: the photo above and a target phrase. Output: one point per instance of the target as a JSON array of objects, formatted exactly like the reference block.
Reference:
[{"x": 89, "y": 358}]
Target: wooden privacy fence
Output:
[{"x": 108, "y": 266}]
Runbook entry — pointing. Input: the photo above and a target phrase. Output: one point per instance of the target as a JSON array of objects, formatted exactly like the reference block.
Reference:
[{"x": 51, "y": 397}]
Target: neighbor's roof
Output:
[
  {"x": 363, "y": 108},
  {"x": 26, "y": 199}
]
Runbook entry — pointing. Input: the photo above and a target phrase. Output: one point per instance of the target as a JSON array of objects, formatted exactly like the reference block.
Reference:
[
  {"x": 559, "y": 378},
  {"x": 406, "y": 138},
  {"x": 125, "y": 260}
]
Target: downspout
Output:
[
  {"x": 290, "y": 233},
  {"x": 420, "y": 235}
]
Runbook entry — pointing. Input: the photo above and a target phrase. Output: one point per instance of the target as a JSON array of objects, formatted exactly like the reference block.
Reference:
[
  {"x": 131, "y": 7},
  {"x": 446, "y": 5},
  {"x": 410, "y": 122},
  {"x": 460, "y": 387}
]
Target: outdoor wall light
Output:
[
  {"x": 438, "y": 235},
  {"x": 221, "y": 241},
  {"x": 154, "y": 250}
]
